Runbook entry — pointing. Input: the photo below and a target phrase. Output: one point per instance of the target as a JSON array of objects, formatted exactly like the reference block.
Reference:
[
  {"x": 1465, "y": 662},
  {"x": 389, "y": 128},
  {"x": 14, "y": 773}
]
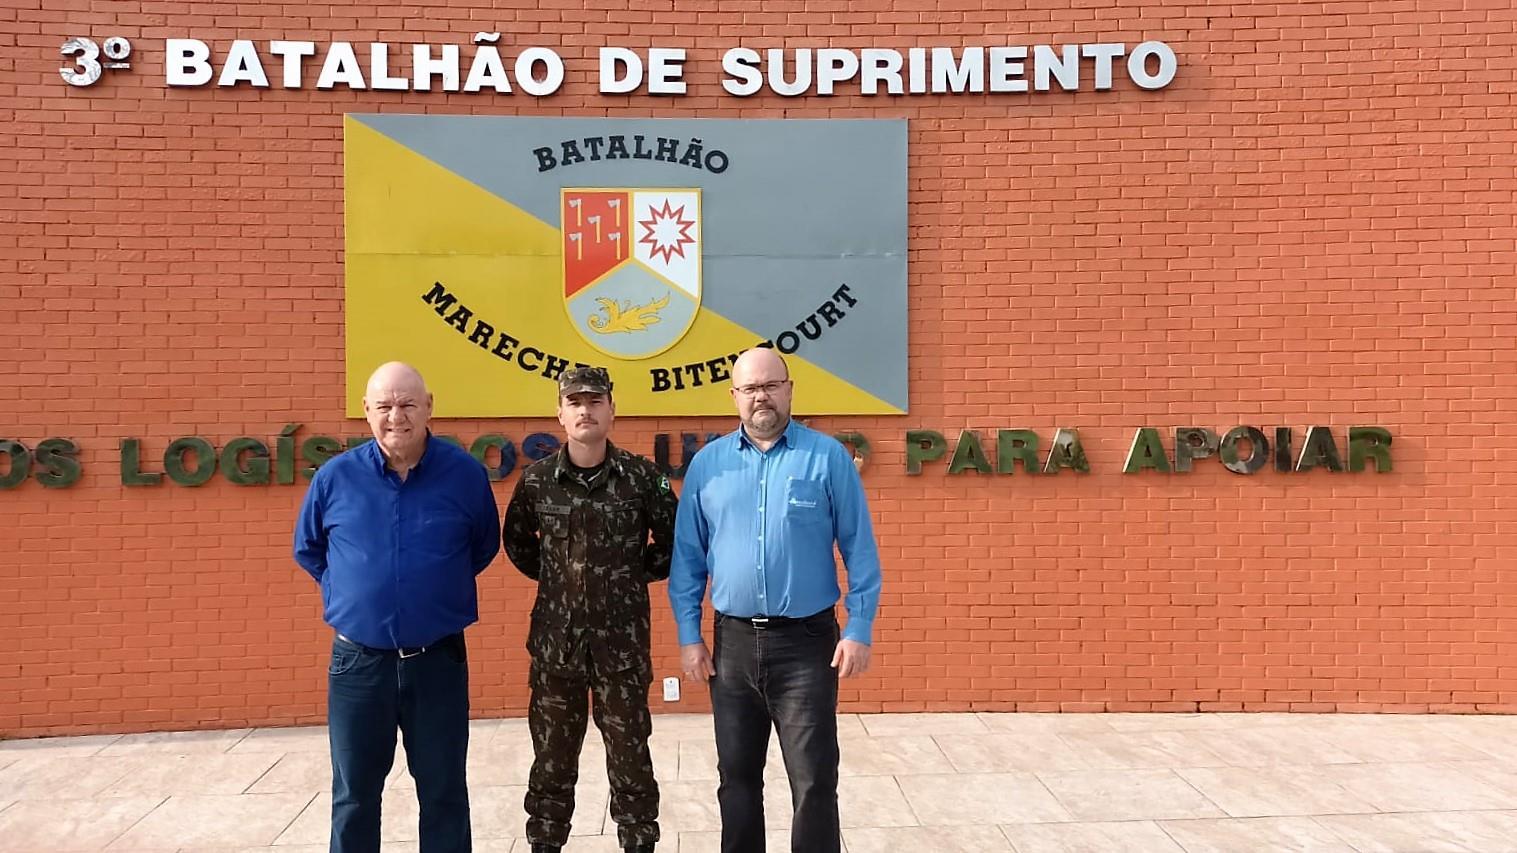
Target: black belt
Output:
[
  {"x": 403, "y": 652},
  {"x": 764, "y": 622}
]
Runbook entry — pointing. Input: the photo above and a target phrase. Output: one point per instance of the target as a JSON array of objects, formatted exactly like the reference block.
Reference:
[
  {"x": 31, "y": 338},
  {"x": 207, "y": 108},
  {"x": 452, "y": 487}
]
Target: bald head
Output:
[
  {"x": 759, "y": 360},
  {"x": 395, "y": 374},
  {"x": 761, "y": 389},
  {"x": 398, "y": 407}
]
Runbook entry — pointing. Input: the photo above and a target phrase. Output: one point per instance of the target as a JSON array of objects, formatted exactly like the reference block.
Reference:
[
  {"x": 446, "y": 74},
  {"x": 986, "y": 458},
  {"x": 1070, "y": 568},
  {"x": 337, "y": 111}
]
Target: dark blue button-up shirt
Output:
[
  {"x": 761, "y": 525},
  {"x": 396, "y": 559}
]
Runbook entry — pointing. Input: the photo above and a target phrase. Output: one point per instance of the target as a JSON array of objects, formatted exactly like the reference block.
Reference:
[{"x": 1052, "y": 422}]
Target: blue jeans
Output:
[
  {"x": 780, "y": 676},
  {"x": 371, "y": 693}
]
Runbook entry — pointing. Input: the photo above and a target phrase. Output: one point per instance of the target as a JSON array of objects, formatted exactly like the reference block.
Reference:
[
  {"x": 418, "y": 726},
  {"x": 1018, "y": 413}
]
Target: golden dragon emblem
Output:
[{"x": 624, "y": 316}]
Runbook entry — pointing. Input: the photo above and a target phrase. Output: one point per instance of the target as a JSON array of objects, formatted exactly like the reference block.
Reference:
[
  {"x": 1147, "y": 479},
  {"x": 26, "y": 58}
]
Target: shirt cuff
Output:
[
  {"x": 689, "y": 633},
  {"x": 859, "y": 630}
]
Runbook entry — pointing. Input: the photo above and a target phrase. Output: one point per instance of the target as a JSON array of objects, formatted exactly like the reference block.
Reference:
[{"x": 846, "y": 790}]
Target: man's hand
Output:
[
  {"x": 695, "y": 660},
  {"x": 851, "y": 658}
]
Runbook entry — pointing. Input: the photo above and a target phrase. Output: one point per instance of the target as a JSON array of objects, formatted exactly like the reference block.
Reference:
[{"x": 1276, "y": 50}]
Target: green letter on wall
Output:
[
  {"x": 1369, "y": 442},
  {"x": 1147, "y": 451},
  {"x": 969, "y": 454},
  {"x": 923, "y": 445},
  {"x": 1015, "y": 444}
]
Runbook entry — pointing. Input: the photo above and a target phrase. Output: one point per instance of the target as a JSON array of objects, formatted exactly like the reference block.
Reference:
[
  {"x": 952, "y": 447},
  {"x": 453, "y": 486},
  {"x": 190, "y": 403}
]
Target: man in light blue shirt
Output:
[{"x": 758, "y": 517}]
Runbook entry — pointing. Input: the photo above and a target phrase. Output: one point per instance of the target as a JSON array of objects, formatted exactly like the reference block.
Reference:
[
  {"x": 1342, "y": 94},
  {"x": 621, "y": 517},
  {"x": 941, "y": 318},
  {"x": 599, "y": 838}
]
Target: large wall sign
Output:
[{"x": 494, "y": 252}]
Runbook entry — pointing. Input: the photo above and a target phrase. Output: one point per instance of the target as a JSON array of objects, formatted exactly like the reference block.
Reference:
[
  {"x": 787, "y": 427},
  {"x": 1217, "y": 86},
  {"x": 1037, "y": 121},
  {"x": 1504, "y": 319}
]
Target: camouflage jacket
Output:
[{"x": 590, "y": 552}]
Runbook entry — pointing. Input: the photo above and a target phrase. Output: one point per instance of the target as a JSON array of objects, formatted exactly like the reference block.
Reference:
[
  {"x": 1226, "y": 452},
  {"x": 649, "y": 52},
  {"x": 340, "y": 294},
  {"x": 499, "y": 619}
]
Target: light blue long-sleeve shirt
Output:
[{"x": 760, "y": 526}]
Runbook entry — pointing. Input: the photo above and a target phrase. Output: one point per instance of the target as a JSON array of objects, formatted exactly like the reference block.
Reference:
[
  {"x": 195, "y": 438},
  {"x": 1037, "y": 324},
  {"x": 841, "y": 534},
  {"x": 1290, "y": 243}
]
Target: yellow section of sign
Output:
[
  {"x": 412, "y": 225},
  {"x": 468, "y": 288},
  {"x": 816, "y": 390}
]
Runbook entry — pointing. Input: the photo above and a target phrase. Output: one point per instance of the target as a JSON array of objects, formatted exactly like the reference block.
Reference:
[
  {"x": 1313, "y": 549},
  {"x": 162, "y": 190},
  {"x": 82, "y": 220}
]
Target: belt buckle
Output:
[
  {"x": 760, "y": 621},
  {"x": 413, "y": 654}
]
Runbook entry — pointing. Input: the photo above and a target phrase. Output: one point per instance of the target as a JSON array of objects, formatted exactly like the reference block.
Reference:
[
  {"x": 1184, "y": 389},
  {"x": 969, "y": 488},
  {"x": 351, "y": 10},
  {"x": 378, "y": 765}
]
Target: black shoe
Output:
[
  {"x": 640, "y": 848},
  {"x": 546, "y": 848}
]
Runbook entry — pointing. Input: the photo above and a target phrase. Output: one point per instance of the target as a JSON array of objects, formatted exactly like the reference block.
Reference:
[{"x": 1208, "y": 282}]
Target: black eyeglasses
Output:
[{"x": 769, "y": 388}]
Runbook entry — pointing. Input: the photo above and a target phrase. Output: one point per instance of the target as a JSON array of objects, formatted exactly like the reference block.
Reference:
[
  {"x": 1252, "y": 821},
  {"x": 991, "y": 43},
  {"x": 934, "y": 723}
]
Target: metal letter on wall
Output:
[
  {"x": 131, "y": 465},
  {"x": 1066, "y": 452},
  {"x": 1193, "y": 443},
  {"x": 969, "y": 455},
  {"x": 858, "y": 447},
  {"x": 205, "y": 461},
  {"x": 1369, "y": 443},
  {"x": 1258, "y": 454},
  {"x": 1283, "y": 449},
  {"x": 923, "y": 445},
  {"x": 21, "y": 463},
  {"x": 316, "y": 451},
  {"x": 245, "y": 461},
  {"x": 59, "y": 460},
  {"x": 1319, "y": 449},
  {"x": 1014, "y": 445},
  {"x": 1147, "y": 451},
  {"x": 503, "y": 445}
]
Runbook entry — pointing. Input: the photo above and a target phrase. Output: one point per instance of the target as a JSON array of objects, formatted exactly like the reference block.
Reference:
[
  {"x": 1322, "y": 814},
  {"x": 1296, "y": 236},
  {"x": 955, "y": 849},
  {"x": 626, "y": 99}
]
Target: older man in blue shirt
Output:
[
  {"x": 758, "y": 516},
  {"x": 395, "y": 531}
]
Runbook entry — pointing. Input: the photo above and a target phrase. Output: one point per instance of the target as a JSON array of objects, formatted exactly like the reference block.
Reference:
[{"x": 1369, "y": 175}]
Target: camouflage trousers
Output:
[{"x": 557, "y": 719}]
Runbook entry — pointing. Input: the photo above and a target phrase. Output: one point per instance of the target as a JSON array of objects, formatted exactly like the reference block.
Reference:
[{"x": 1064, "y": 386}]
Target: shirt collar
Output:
[
  {"x": 613, "y": 461},
  {"x": 377, "y": 456},
  {"x": 786, "y": 438}
]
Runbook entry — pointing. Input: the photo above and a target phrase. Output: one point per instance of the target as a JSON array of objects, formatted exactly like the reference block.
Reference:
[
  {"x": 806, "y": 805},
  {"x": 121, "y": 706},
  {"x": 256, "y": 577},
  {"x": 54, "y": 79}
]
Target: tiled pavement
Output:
[{"x": 912, "y": 782}]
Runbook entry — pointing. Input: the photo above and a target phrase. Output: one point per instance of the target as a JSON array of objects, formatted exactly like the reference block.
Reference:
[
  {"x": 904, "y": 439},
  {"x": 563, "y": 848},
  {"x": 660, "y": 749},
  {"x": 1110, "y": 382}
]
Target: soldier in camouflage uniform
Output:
[{"x": 580, "y": 523}]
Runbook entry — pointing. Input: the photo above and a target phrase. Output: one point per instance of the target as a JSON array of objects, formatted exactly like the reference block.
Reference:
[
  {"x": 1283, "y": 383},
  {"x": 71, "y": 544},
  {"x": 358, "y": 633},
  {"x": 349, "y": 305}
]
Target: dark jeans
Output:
[
  {"x": 371, "y": 693},
  {"x": 779, "y": 676}
]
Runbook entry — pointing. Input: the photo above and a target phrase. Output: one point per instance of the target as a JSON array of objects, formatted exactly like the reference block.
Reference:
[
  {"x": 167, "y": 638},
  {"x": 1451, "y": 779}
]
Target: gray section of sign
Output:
[
  {"x": 869, "y": 342},
  {"x": 632, "y": 285},
  {"x": 802, "y": 207}
]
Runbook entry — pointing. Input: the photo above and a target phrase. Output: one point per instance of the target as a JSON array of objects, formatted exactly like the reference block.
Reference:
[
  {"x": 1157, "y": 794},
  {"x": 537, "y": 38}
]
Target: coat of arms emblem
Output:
[{"x": 632, "y": 267}]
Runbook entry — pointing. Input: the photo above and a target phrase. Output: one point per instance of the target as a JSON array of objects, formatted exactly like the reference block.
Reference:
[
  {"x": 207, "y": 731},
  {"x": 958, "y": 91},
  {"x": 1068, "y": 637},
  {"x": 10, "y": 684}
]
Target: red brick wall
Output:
[{"x": 1313, "y": 224}]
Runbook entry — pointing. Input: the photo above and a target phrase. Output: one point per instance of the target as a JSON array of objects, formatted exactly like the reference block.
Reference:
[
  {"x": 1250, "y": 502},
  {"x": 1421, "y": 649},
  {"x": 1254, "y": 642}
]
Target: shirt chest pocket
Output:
[
  {"x": 442, "y": 534},
  {"x": 445, "y": 527},
  {"x": 553, "y": 521},
  {"x": 807, "y": 503},
  {"x": 624, "y": 519}
]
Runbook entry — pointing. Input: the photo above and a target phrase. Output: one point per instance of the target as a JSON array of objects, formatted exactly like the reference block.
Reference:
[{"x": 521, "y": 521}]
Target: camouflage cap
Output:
[{"x": 584, "y": 380}]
